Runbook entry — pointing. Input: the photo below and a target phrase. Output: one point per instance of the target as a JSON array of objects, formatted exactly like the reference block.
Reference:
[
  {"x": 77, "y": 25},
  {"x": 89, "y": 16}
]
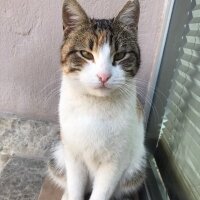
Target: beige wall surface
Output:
[{"x": 30, "y": 38}]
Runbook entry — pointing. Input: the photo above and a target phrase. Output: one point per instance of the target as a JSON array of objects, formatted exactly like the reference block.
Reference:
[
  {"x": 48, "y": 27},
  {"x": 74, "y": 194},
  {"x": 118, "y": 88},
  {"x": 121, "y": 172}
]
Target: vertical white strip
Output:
[{"x": 156, "y": 68}]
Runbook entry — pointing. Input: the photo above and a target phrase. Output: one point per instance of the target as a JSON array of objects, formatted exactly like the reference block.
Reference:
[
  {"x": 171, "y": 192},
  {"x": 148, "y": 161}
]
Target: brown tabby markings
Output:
[
  {"x": 135, "y": 181},
  {"x": 57, "y": 172},
  {"x": 90, "y": 36},
  {"x": 139, "y": 109}
]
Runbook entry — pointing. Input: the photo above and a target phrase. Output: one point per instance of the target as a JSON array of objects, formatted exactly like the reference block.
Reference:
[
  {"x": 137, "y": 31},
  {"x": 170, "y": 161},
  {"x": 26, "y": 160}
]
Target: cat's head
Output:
[{"x": 100, "y": 56}]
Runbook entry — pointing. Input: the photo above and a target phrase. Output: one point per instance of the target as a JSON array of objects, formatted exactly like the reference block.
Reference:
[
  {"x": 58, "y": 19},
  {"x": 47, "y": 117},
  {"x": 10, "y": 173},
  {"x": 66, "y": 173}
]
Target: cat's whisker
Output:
[
  {"x": 55, "y": 82},
  {"x": 54, "y": 92},
  {"x": 141, "y": 93},
  {"x": 148, "y": 101},
  {"x": 153, "y": 90},
  {"x": 150, "y": 87}
]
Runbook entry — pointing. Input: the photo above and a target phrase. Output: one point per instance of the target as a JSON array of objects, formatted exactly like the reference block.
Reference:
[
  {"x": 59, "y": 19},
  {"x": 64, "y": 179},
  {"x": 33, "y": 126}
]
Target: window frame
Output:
[{"x": 173, "y": 42}]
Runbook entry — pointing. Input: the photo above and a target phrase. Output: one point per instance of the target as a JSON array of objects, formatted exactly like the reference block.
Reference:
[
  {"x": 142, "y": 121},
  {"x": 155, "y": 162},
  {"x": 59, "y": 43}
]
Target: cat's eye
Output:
[
  {"x": 87, "y": 55},
  {"x": 119, "y": 56}
]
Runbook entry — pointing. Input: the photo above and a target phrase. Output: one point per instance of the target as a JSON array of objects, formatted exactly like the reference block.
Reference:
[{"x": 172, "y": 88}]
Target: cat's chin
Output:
[{"x": 100, "y": 92}]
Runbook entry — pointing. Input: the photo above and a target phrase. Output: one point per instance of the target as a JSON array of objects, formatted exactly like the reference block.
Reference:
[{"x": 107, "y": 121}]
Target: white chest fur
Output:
[{"x": 101, "y": 128}]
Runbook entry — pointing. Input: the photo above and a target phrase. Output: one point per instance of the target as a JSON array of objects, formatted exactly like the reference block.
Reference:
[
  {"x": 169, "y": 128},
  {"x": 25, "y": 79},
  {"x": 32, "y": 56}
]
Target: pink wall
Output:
[{"x": 30, "y": 38}]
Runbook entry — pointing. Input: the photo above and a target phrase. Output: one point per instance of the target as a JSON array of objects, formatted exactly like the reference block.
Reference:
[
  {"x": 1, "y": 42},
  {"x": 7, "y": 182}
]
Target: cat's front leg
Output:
[
  {"x": 76, "y": 178},
  {"x": 106, "y": 180}
]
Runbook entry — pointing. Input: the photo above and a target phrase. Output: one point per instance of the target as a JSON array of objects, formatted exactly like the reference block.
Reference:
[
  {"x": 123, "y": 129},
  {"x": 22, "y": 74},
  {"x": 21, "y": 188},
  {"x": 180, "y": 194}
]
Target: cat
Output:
[{"x": 101, "y": 149}]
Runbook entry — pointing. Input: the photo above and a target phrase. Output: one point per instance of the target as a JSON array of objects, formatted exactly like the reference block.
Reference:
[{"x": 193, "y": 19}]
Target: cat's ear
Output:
[
  {"x": 129, "y": 15},
  {"x": 73, "y": 15}
]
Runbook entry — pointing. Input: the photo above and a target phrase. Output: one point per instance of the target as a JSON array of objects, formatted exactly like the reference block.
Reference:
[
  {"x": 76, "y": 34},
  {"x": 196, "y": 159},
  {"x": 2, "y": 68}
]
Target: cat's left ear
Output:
[
  {"x": 129, "y": 15},
  {"x": 73, "y": 15}
]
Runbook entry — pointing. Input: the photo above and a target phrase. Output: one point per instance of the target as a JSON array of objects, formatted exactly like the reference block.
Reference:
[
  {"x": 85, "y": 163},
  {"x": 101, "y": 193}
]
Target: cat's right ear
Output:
[
  {"x": 129, "y": 15},
  {"x": 73, "y": 15}
]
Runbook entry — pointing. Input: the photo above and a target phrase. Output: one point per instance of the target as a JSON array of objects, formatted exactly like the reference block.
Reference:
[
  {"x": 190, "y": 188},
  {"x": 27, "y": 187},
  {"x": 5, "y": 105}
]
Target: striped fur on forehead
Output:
[{"x": 91, "y": 36}]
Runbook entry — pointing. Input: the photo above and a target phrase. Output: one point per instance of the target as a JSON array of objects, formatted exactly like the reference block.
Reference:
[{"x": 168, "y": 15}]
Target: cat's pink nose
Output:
[{"x": 103, "y": 77}]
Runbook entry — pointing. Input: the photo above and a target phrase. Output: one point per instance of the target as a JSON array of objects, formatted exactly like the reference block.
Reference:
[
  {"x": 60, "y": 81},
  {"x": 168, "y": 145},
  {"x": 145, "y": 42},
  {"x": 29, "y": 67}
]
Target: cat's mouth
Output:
[
  {"x": 100, "y": 90},
  {"x": 102, "y": 87}
]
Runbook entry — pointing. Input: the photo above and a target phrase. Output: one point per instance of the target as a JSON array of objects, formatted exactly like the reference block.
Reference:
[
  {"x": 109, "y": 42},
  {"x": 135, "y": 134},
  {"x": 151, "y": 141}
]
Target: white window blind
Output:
[{"x": 180, "y": 129}]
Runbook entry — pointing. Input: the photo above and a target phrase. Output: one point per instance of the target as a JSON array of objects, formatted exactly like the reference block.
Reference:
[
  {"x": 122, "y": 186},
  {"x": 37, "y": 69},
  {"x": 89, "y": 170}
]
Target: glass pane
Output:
[{"x": 180, "y": 129}]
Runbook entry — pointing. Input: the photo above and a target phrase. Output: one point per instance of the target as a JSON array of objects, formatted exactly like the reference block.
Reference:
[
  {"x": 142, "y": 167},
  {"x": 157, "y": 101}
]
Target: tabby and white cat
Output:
[{"x": 101, "y": 151}]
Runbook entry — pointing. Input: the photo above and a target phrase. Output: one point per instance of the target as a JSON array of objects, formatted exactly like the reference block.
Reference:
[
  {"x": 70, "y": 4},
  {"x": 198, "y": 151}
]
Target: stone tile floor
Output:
[
  {"x": 26, "y": 179},
  {"x": 22, "y": 178}
]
